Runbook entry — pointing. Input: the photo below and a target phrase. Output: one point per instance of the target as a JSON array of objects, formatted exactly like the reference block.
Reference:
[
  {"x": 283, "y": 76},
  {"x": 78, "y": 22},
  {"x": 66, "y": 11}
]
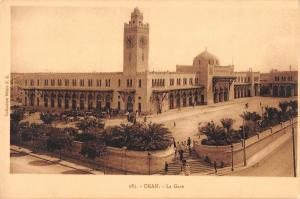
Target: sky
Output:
[{"x": 250, "y": 34}]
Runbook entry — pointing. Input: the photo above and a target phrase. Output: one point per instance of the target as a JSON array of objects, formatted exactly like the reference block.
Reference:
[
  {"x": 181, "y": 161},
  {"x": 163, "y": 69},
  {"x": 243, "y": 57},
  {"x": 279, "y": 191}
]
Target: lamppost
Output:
[
  {"x": 294, "y": 154},
  {"x": 231, "y": 157},
  {"x": 244, "y": 141},
  {"x": 149, "y": 159}
]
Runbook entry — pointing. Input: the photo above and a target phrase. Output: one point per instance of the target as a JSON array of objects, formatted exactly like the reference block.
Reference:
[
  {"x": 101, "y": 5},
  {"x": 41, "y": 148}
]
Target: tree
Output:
[
  {"x": 139, "y": 136},
  {"x": 59, "y": 141},
  {"x": 227, "y": 124},
  {"x": 251, "y": 124},
  {"x": 157, "y": 137},
  {"x": 283, "y": 114},
  {"x": 272, "y": 116},
  {"x": 15, "y": 117},
  {"x": 294, "y": 107},
  {"x": 215, "y": 134}
]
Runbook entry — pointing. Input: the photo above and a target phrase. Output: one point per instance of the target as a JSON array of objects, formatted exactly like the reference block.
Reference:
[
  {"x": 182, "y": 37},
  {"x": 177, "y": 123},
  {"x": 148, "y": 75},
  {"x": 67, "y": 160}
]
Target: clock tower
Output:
[{"x": 136, "y": 44}]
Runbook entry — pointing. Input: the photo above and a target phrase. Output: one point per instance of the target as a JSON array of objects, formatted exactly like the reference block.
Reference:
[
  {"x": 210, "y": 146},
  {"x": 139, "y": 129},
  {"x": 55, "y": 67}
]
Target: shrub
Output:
[
  {"x": 90, "y": 123},
  {"x": 93, "y": 149},
  {"x": 59, "y": 140},
  {"x": 84, "y": 137}
]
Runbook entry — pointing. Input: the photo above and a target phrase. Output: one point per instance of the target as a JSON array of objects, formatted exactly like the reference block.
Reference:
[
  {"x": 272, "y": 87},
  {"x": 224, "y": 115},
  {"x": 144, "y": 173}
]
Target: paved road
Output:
[
  {"x": 279, "y": 163},
  {"x": 187, "y": 119},
  {"x": 23, "y": 163}
]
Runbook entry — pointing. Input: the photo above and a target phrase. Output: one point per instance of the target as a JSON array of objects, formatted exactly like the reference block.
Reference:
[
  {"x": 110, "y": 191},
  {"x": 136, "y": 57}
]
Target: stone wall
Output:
[
  {"x": 137, "y": 161},
  {"x": 132, "y": 161},
  {"x": 253, "y": 145}
]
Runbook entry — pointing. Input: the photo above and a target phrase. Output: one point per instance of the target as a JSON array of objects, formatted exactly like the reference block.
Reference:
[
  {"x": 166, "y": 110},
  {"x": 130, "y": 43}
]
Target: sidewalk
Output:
[
  {"x": 56, "y": 160},
  {"x": 256, "y": 159}
]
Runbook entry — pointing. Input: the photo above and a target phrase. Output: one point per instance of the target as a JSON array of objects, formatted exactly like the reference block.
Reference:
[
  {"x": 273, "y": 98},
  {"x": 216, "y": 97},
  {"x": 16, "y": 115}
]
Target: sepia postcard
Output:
[{"x": 149, "y": 99}]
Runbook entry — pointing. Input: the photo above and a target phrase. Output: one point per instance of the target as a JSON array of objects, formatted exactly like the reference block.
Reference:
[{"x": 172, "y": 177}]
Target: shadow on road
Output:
[
  {"x": 42, "y": 163},
  {"x": 17, "y": 154}
]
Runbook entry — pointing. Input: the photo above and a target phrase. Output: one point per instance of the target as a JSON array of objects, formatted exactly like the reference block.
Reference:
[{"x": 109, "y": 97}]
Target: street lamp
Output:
[
  {"x": 231, "y": 157},
  {"x": 244, "y": 145},
  {"x": 294, "y": 155},
  {"x": 149, "y": 159}
]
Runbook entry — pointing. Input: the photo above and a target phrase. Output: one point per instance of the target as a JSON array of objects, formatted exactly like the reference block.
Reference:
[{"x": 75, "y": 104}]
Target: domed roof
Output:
[{"x": 207, "y": 57}]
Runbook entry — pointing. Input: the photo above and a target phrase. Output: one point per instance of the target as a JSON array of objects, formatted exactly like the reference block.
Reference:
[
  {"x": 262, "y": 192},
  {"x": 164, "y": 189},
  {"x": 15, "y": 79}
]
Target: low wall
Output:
[
  {"x": 131, "y": 161},
  {"x": 138, "y": 162},
  {"x": 253, "y": 145}
]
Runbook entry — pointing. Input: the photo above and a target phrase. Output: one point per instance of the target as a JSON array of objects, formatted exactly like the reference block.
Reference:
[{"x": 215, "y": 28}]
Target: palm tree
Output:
[
  {"x": 294, "y": 106},
  {"x": 139, "y": 136},
  {"x": 272, "y": 116},
  {"x": 158, "y": 136},
  {"x": 215, "y": 134},
  {"x": 227, "y": 124},
  {"x": 251, "y": 123}
]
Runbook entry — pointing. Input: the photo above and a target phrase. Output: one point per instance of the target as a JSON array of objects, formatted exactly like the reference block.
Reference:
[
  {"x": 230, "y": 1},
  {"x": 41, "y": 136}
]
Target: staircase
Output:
[{"x": 197, "y": 166}]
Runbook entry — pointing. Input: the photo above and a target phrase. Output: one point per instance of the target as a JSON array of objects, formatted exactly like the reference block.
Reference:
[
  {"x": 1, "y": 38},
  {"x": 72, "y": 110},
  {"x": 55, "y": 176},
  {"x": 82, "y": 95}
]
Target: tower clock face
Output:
[
  {"x": 129, "y": 41},
  {"x": 143, "y": 41}
]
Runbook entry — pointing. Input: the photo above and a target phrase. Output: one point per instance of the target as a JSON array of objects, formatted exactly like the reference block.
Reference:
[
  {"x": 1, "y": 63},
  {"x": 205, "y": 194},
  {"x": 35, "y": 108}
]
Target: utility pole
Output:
[
  {"x": 294, "y": 152},
  {"x": 232, "y": 157},
  {"x": 244, "y": 145}
]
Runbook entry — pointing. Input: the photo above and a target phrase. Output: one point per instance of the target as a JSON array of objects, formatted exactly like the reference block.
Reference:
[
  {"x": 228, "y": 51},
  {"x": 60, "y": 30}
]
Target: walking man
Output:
[
  {"x": 166, "y": 168},
  {"x": 180, "y": 154},
  {"x": 189, "y": 142},
  {"x": 215, "y": 166},
  {"x": 174, "y": 143}
]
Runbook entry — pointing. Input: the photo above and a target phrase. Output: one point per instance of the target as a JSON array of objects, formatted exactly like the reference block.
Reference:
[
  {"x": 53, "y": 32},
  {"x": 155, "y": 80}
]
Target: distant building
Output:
[
  {"x": 279, "y": 83},
  {"x": 136, "y": 88}
]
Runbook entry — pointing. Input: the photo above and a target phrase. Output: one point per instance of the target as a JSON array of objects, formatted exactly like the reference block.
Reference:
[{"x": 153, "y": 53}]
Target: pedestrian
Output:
[
  {"x": 187, "y": 169},
  {"x": 215, "y": 166},
  {"x": 166, "y": 167},
  {"x": 180, "y": 154},
  {"x": 184, "y": 165},
  {"x": 174, "y": 124},
  {"x": 189, "y": 142},
  {"x": 184, "y": 145},
  {"x": 174, "y": 142},
  {"x": 145, "y": 119}
]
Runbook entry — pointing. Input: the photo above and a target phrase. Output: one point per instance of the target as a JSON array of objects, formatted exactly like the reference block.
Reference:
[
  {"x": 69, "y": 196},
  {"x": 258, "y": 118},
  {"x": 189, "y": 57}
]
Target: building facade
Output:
[
  {"x": 279, "y": 83},
  {"x": 136, "y": 88}
]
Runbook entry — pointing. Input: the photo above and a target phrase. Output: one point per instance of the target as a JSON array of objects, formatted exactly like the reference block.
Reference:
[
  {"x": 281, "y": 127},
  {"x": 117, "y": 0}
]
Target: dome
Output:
[{"x": 206, "y": 57}]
